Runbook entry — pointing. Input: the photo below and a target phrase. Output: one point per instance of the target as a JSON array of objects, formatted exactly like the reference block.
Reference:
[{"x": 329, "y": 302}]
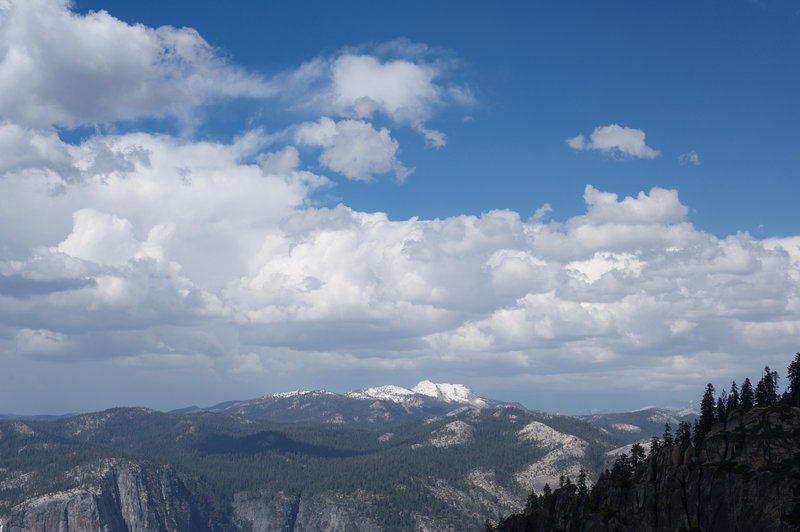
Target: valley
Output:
[{"x": 434, "y": 457}]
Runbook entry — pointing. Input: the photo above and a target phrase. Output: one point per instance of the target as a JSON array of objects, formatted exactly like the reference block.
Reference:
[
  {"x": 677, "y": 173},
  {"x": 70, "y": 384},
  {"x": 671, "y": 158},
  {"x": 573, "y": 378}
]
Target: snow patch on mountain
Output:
[
  {"x": 545, "y": 436},
  {"x": 449, "y": 393},
  {"x": 396, "y": 394},
  {"x": 663, "y": 417},
  {"x": 22, "y": 429},
  {"x": 565, "y": 460},
  {"x": 486, "y": 480},
  {"x": 613, "y": 453},
  {"x": 286, "y": 395},
  {"x": 454, "y": 433},
  {"x": 298, "y": 393},
  {"x": 626, "y": 427},
  {"x": 564, "y": 457}
]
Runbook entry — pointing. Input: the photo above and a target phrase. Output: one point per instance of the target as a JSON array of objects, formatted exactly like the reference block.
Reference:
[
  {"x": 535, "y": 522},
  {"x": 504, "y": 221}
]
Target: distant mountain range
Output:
[
  {"x": 432, "y": 457},
  {"x": 370, "y": 407},
  {"x": 641, "y": 425}
]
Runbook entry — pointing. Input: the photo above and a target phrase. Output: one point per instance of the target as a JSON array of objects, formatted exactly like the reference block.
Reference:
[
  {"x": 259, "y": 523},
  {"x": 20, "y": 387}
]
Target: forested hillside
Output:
[
  {"x": 736, "y": 468},
  {"x": 443, "y": 473}
]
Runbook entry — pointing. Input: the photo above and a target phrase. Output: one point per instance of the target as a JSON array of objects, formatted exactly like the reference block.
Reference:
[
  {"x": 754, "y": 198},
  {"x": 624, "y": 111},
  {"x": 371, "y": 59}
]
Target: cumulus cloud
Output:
[
  {"x": 404, "y": 87},
  {"x": 22, "y": 148},
  {"x": 616, "y": 141},
  {"x": 192, "y": 258},
  {"x": 691, "y": 157},
  {"x": 401, "y": 89},
  {"x": 62, "y": 68},
  {"x": 354, "y": 148}
]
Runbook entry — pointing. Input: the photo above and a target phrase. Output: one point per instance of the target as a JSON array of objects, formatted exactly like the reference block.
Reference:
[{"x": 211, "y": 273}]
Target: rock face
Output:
[
  {"x": 329, "y": 512},
  {"x": 118, "y": 495},
  {"x": 746, "y": 477}
]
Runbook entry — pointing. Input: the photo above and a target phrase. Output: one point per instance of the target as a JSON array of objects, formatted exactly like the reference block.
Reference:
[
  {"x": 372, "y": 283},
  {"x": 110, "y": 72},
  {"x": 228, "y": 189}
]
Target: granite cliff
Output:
[{"x": 119, "y": 495}]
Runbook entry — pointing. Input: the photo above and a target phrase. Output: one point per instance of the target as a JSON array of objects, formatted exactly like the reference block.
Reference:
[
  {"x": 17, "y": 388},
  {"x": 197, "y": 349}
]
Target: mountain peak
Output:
[
  {"x": 388, "y": 392},
  {"x": 446, "y": 393},
  {"x": 449, "y": 393}
]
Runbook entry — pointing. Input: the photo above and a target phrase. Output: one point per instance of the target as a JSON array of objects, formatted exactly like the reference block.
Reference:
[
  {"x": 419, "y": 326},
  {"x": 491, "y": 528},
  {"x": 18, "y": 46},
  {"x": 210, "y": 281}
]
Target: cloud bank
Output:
[{"x": 157, "y": 252}]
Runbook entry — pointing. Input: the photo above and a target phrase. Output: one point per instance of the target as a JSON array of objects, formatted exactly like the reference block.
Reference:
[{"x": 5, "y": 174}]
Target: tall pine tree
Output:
[
  {"x": 666, "y": 438},
  {"x": 748, "y": 398},
  {"x": 733, "y": 398},
  {"x": 697, "y": 435},
  {"x": 683, "y": 437},
  {"x": 708, "y": 413},
  {"x": 792, "y": 395},
  {"x": 767, "y": 388},
  {"x": 583, "y": 490},
  {"x": 721, "y": 412}
]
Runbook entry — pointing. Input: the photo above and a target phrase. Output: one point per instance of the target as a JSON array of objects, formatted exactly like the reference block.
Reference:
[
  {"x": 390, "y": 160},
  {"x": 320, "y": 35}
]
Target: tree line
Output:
[{"x": 540, "y": 508}]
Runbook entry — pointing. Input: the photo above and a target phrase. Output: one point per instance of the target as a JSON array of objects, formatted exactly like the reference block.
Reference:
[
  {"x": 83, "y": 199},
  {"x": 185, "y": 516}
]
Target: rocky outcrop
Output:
[
  {"x": 746, "y": 477},
  {"x": 118, "y": 495},
  {"x": 330, "y": 511}
]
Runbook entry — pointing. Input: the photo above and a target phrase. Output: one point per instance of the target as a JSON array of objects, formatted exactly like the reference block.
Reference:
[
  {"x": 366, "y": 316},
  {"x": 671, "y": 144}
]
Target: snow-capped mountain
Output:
[
  {"x": 397, "y": 394},
  {"x": 446, "y": 393},
  {"x": 449, "y": 393},
  {"x": 376, "y": 406}
]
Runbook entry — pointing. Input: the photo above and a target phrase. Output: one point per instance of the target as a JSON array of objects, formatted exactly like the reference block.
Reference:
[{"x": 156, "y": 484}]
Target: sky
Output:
[{"x": 573, "y": 205}]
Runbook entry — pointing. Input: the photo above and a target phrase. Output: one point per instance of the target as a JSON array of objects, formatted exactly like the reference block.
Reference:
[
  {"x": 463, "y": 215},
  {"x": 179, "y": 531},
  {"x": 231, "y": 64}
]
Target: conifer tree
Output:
[
  {"x": 767, "y": 388},
  {"x": 733, "y": 398},
  {"x": 697, "y": 435},
  {"x": 533, "y": 504},
  {"x": 622, "y": 470},
  {"x": 637, "y": 455},
  {"x": 655, "y": 445},
  {"x": 748, "y": 398},
  {"x": 583, "y": 490},
  {"x": 547, "y": 497},
  {"x": 720, "y": 412},
  {"x": 792, "y": 395},
  {"x": 708, "y": 410},
  {"x": 667, "y": 436},
  {"x": 683, "y": 437}
]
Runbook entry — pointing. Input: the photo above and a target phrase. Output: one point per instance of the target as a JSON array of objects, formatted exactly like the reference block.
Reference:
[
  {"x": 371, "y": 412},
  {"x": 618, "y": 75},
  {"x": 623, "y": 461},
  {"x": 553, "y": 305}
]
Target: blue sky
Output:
[
  {"x": 207, "y": 200},
  {"x": 720, "y": 78}
]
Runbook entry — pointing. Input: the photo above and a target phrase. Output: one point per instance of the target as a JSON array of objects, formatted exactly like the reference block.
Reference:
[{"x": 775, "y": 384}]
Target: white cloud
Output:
[
  {"x": 41, "y": 342},
  {"x": 62, "y": 68},
  {"x": 434, "y": 138},
  {"x": 281, "y": 162},
  {"x": 22, "y": 148},
  {"x": 100, "y": 238},
  {"x": 691, "y": 157},
  {"x": 403, "y": 90},
  {"x": 408, "y": 90},
  {"x": 616, "y": 141},
  {"x": 192, "y": 255},
  {"x": 354, "y": 148}
]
